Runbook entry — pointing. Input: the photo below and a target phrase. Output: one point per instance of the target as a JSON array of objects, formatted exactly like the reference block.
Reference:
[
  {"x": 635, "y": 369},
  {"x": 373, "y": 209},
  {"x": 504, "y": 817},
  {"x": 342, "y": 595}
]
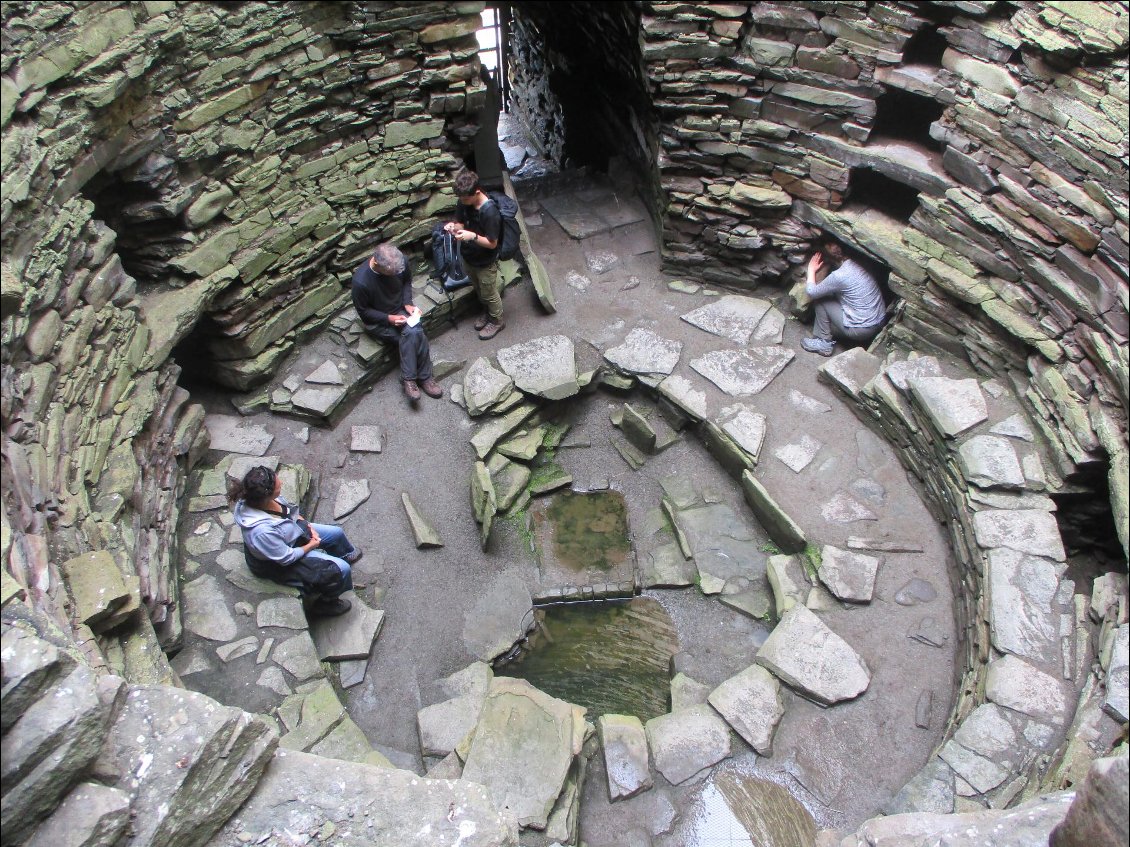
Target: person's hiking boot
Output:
[
  {"x": 819, "y": 345},
  {"x": 353, "y": 557},
  {"x": 411, "y": 390},
  {"x": 481, "y": 321},
  {"x": 491, "y": 329},
  {"x": 331, "y": 608},
  {"x": 431, "y": 387}
]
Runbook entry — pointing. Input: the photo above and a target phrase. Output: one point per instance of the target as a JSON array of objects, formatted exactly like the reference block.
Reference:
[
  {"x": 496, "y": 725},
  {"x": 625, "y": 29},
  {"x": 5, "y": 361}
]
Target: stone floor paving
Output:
[{"x": 446, "y": 607}]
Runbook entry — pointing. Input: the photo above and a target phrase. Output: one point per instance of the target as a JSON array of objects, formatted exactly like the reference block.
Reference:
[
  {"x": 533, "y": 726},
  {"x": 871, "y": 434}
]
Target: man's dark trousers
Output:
[{"x": 415, "y": 352}]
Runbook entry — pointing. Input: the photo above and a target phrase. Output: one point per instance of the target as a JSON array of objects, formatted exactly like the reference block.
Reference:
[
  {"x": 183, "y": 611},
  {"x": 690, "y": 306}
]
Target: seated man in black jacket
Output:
[{"x": 382, "y": 296}]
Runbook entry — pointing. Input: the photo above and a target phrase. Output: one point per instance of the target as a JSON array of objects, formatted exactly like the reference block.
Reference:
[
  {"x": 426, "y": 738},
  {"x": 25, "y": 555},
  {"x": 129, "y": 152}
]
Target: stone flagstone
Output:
[
  {"x": 424, "y": 533},
  {"x": 366, "y": 438},
  {"x": 1014, "y": 427},
  {"x": 745, "y": 426},
  {"x": 808, "y": 404},
  {"x": 351, "y": 493},
  {"x": 285, "y": 612},
  {"x": 298, "y": 656},
  {"x": 850, "y": 576},
  {"x": 624, "y": 743},
  {"x": 232, "y": 435},
  {"x": 1022, "y": 591},
  {"x": 495, "y": 621},
  {"x": 771, "y": 328},
  {"x": 524, "y": 745},
  {"x": 678, "y": 390},
  {"x": 206, "y": 610},
  {"x": 1017, "y": 685},
  {"x": 787, "y": 578},
  {"x": 1031, "y": 531},
  {"x": 326, "y": 374},
  {"x": 799, "y": 454},
  {"x": 644, "y": 352},
  {"x": 320, "y": 401},
  {"x": 954, "y": 405},
  {"x": 803, "y": 652},
  {"x": 990, "y": 462},
  {"x": 684, "y": 742},
  {"x": 843, "y": 508},
  {"x": 545, "y": 367},
  {"x": 781, "y": 528},
  {"x": 742, "y": 373},
  {"x": 348, "y": 636},
  {"x": 751, "y": 703},
  {"x": 851, "y": 370},
  {"x": 485, "y": 386},
  {"x": 732, "y": 316}
]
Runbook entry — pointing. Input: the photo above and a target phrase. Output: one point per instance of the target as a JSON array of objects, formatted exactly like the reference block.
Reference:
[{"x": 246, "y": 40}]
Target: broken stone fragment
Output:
[
  {"x": 687, "y": 741},
  {"x": 424, "y": 533},
  {"x": 850, "y": 576},
  {"x": 751, "y": 703},
  {"x": 624, "y": 742},
  {"x": 806, "y": 654},
  {"x": 351, "y": 493}
]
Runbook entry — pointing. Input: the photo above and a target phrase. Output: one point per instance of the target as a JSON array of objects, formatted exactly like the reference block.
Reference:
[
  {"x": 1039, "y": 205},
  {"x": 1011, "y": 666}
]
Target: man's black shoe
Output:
[{"x": 331, "y": 608}]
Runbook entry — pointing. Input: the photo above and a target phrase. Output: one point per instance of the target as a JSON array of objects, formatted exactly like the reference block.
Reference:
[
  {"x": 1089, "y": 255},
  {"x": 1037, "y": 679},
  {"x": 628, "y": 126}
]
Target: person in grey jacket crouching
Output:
[
  {"x": 280, "y": 545},
  {"x": 848, "y": 301}
]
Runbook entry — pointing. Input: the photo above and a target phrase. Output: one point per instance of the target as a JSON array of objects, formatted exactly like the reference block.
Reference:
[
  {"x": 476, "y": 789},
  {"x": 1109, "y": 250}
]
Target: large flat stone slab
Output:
[
  {"x": 850, "y": 576},
  {"x": 1022, "y": 617},
  {"x": 1031, "y": 531},
  {"x": 545, "y": 367},
  {"x": 362, "y": 805},
  {"x": 1017, "y": 685},
  {"x": 494, "y": 622},
  {"x": 348, "y": 636},
  {"x": 781, "y": 528},
  {"x": 745, "y": 427},
  {"x": 646, "y": 353},
  {"x": 484, "y": 386},
  {"x": 684, "y": 742},
  {"x": 679, "y": 390},
  {"x": 803, "y": 652},
  {"x": 524, "y": 745},
  {"x": 351, "y": 493},
  {"x": 234, "y": 435},
  {"x": 751, "y": 703},
  {"x": 990, "y": 462},
  {"x": 953, "y": 405},
  {"x": 743, "y": 373},
  {"x": 206, "y": 611},
  {"x": 732, "y": 316},
  {"x": 624, "y": 742}
]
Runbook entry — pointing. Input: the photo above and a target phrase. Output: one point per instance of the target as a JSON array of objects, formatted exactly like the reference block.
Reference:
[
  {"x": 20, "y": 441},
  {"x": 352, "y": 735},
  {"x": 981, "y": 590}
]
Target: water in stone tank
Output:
[{"x": 612, "y": 657}]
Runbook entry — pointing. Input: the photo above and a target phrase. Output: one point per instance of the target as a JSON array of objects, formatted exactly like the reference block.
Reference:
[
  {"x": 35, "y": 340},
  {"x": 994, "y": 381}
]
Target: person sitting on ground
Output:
[
  {"x": 382, "y": 296},
  {"x": 478, "y": 226},
  {"x": 849, "y": 305},
  {"x": 280, "y": 545}
]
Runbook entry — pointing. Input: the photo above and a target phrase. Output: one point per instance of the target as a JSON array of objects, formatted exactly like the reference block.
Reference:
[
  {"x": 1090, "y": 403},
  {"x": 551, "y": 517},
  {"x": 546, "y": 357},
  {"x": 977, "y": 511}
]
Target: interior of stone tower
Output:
[{"x": 649, "y": 573}]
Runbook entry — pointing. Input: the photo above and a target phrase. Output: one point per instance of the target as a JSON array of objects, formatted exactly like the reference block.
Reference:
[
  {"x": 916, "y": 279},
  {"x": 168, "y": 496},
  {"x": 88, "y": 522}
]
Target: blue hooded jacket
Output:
[{"x": 270, "y": 537}]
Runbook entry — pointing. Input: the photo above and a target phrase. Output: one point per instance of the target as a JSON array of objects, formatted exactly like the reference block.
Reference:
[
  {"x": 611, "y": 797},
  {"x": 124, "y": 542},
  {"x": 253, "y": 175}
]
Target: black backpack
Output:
[
  {"x": 511, "y": 237},
  {"x": 448, "y": 260}
]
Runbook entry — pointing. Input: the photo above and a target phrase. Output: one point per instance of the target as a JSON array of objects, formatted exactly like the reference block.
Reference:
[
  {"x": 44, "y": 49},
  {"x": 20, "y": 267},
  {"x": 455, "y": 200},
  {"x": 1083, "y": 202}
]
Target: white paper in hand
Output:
[{"x": 413, "y": 319}]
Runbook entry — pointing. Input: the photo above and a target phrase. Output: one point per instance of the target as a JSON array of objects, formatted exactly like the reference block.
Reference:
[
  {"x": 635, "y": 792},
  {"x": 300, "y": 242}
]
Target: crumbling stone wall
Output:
[{"x": 189, "y": 170}]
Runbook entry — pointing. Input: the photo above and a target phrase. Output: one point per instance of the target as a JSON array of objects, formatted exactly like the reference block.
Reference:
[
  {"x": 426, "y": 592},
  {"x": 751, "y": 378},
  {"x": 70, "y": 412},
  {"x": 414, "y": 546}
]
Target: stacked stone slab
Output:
[{"x": 1025, "y": 644}]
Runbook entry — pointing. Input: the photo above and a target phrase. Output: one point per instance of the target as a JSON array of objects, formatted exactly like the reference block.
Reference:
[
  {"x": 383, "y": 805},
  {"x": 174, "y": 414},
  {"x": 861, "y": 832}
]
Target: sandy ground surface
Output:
[{"x": 842, "y": 762}]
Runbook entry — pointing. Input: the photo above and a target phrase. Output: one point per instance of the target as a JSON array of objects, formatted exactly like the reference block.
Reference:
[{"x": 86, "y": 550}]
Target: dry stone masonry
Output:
[{"x": 187, "y": 187}]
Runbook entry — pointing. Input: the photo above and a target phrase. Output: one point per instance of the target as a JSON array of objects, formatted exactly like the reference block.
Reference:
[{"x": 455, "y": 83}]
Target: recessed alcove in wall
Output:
[
  {"x": 906, "y": 116},
  {"x": 142, "y": 205},
  {"x": 925, "y": 48},
  {"x": 871, "y": 189}
]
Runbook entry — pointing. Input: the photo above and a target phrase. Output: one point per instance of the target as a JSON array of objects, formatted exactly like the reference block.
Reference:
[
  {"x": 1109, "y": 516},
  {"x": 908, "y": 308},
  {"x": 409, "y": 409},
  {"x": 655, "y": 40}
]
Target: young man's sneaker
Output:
[
  {"x": 331, "y": 608},
  {"x": 819, "y": 345},
  {"x": 480, "y": 322},
  {"x": 491, "y": 329},
  {"x": 431, "y": 388},
  {"x": 353, "y": 557},
  {"x": 411, "y": 390}
]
